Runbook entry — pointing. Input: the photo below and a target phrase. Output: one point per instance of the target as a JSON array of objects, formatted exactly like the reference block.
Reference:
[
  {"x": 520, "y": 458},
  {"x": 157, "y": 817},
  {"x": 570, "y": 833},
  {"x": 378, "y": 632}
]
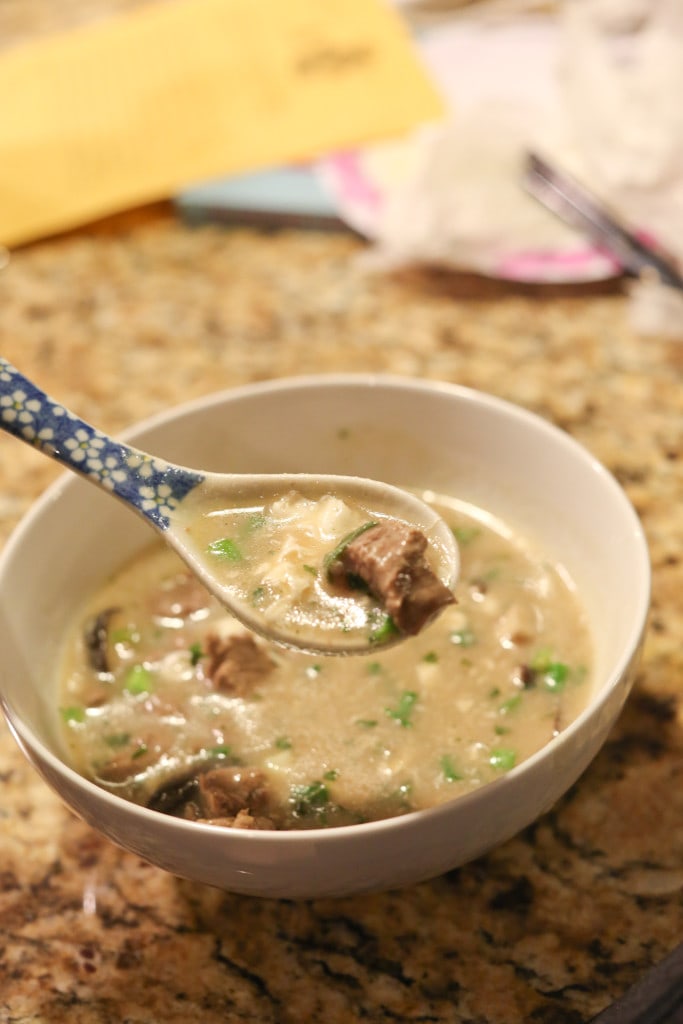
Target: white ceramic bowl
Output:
[{"x": 437, "y": 436}]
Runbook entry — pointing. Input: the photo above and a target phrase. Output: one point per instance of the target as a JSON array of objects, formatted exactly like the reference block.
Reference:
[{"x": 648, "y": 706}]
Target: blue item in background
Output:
[{"x": 287, "y": 196}]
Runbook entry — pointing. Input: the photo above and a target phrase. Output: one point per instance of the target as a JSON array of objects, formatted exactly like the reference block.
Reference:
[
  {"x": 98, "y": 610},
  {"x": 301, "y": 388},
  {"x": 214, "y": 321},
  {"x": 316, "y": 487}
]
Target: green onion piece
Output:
[
  {"x": 511, "y": 704},
  {"x": 431, "y": 657},
  {"x": 501, "y": 730},
  {"x": 542, "y": 659},
  {"x": 374, "y": 668},
  {"x": 331, "y": 775},
  {"x": 283, "y": 743},
  {"x": 463, "y": 637},
  {"x": 403, "y": 712},
  {"x": 226, "y": 549},
  {"x": 465, "y": 534},
  {"x": 383, "y": 633},
  {"x": 196, "y": 653},
  {"x": 310, "y": 798},
  {"x": 138, "y": 680},
  {"x": 311, "y": 568},
  {"x": 335, "y": 554},
  {"x": 555, "y": 676},
  {"x": 450, "y": 772},
  {"x": 125, "y": 635},
  {"x": 140, "y": 751},
  {"x": 73, "y": 714},
  {"x": 222, "y": 750},
  {"x": 503, "y": 759},
  {"x": 367, "y": 723}
]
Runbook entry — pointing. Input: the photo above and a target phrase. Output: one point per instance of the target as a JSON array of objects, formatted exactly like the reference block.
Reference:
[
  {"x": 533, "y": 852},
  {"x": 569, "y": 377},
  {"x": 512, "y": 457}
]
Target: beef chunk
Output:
[
  {"x": 230, "y": 796},
  {"x": 235, "y": 664},
  {"x": 136, "y": 754},
  {"x": 390, "y": 559},
  {"x": 224, "y": 792},
  {"x": 180, "y": 597}
]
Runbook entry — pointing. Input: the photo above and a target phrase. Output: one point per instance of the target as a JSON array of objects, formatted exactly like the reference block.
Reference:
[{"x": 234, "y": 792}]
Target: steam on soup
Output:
[{"x": 169, "y": 702}]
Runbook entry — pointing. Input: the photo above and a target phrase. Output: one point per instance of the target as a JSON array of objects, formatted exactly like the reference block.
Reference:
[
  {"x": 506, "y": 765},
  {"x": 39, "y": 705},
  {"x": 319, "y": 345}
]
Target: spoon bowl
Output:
[{"x": 162, "y": 492}]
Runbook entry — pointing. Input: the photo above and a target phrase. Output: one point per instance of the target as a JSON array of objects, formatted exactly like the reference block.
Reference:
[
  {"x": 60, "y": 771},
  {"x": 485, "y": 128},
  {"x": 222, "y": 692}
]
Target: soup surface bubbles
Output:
[{"x": 168, "y": 701}]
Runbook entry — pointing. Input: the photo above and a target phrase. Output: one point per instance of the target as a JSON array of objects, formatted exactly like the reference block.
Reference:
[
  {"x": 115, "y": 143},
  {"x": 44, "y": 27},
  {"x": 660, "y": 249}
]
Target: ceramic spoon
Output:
[{"x": 156, "y": 490}]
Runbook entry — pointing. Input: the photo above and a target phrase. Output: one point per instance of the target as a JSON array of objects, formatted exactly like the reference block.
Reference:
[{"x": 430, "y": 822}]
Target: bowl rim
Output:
[{"x": 29, "y": 741}]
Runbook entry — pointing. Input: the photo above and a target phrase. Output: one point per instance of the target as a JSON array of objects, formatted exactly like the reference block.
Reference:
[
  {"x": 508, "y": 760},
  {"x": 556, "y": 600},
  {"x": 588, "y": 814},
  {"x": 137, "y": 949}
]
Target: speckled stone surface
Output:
[{"x": 126, "y": 320}]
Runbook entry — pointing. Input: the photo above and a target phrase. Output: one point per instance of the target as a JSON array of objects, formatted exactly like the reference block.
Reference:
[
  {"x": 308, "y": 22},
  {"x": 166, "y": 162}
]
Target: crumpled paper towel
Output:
[{"x": 596, "y": 87}]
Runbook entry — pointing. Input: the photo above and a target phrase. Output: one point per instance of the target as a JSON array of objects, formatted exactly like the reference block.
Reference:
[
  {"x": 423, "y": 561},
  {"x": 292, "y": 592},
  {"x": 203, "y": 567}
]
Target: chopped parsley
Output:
[
  {"x": 383, "y": 632},
  {"x": 226, "y": 549},
  {"x": 310, "y": 799},
  {"x": 448, "y": 769},
  {"x": 73, "y": 714},
  {"x": 402, "y": 713},
  {"x": 196, "y": 653},
  {"x": 463, "y": 637},
  {"x": 335, "y": 554},
  {"x": 138, "y": 680},
  {"x": 503, "y": 759}
]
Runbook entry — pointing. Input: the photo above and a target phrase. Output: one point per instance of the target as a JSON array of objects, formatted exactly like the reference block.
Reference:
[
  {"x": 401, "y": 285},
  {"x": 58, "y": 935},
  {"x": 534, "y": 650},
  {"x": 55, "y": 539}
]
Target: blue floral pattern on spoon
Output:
[{"x": 151, "y": 485}]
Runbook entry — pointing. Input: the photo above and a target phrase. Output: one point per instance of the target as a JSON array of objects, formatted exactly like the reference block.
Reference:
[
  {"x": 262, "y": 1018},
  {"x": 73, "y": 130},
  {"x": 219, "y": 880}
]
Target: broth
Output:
[{"x": 160, "y": 687}]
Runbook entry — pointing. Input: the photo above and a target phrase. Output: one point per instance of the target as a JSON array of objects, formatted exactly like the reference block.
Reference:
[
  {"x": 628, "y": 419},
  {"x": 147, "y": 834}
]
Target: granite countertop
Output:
[{"x": 142, "y": 312}]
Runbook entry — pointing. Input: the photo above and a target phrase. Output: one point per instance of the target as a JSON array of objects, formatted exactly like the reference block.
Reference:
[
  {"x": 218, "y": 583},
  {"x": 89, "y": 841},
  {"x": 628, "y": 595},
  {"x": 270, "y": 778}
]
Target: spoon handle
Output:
[{"x": 150, "y": 485}]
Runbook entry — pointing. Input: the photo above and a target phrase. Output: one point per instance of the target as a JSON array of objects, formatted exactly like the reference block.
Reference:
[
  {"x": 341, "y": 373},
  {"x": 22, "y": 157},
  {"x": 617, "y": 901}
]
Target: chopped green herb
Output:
[
  {"x": 222, "y": 750},
  {"x": 555, "y": 676},
  {"x": 501, "y": 730},
  {"x": 196, "y": 653},
  {"x": 403, "y": 711},
  {"x": 226, "y": 549},
  {"x": 503, "y": 759},
  {"x": 335, "y": 554},
  {"x": 257, "y": 595},
  {"x": 465, "y": 534},
  {"x": 511, "y": 704},
  {"x": 138, "y": 680},
  {"x": 495, "y": 692},
  {"x": 125, "y": 635},
  {"x": 73, "y": 714},
  {"x": 431, "y": 657},
  {"x": 374, "y": 668},
  {"x": 382, "y": 633},
  {"x": 139, "y": 751},
  {"x": 367, "y": 723},
  {"x": 541, "y": 659},
  {"x": 311, "y": 568},
  {"x": 463, "y": 637},
  {"x": 283, "y": 743},
  {"x": 450, "y": 772},
  {"x": 311, "y": 798},
  {"x": 331, "y": 775}
]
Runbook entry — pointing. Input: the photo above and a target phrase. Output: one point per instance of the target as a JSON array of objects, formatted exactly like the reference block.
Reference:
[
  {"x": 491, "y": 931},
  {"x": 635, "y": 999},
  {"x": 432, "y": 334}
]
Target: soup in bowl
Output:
[{"x": 221, "y": 758}]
